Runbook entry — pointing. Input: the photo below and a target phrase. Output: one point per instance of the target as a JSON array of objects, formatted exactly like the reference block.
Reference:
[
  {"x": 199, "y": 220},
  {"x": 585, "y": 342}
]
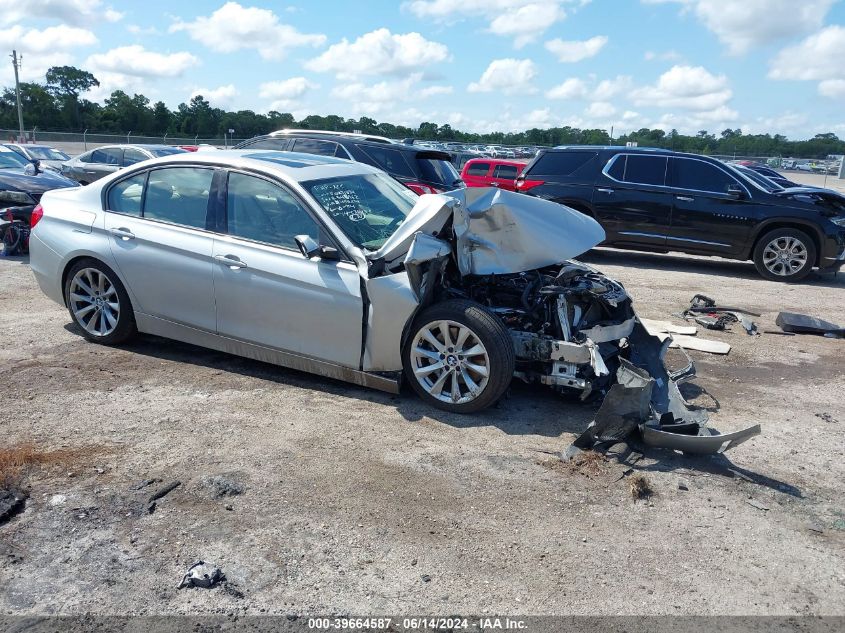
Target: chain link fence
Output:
[{"x": 88, "y": 141}]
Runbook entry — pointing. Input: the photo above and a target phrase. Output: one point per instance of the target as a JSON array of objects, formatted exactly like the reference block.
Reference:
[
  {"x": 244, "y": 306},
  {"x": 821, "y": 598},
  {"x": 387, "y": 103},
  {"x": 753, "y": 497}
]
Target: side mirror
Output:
[
  {"x": 33, "y": 168},
  {"x": 310, "y": 249},
  {"x": 735, "y": 191}
]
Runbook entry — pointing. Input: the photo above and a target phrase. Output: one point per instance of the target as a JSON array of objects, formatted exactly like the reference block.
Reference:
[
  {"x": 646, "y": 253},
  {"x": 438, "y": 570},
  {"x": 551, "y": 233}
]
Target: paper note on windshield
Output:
[{"x": 340, "y": 201}]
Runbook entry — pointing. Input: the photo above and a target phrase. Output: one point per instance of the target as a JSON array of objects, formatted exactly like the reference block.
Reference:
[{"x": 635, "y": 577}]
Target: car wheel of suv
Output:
[
  {"x": 785, "y": 255},
  {"x": 98, "y": 303},
  {"x": 459, "y": 357}
]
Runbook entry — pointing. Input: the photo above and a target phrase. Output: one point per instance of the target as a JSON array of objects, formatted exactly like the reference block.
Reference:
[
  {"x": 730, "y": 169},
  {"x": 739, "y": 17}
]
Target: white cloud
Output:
[
  {"x": 34, "y": 67},
  {"x": 375, "y": 99},
  {"x": 833, "y": 88},
  {"x": 524, "y": 20},
  {"x": 510, "y": 76},
  {"x": 79, "y": 12},
  {"x": 575, "y": 51},
  {"x": 233, "y": 27},
  {"x": 287, "y": 93},
  {"x": 575, "y": 88},
  {"x": 572, "y": 88},
  {"x": 666, "y": 56},
  {"x": 136, "y": 61},
  {"x": 686, "y": 87},
  {"x": 379, "y": 52},
  {"x": 817, "y": 58},
  {"x": 600, "y": 110},
  {"x": 743, "y": 24},
  {"x": 51, "y": 39},
  {"x": 136, "y": 29},
  {"x": 528, "y": 22},
  {"x": 220, "y": 97}
]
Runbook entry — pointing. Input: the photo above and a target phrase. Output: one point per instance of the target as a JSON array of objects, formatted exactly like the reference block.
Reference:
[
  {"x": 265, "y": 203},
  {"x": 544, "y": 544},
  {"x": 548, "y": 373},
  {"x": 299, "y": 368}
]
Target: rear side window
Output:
[
  {"x": 478, "y": 169},
  {"x": 107, "y": 156},
  {"x": 125, "y": 197},
  {"x": 315, "y": 146},
  {"x": 561, "y": 163},
  {"x": 390, "y": 160},
  {"x": 132, "y": 156},
  {"x": 179, "y": 195},
  {"x": 267, "y": 143},
  {"x": 437, "y": 171},
  {"x": 701, "y": 176},
  {"x": 645, "y": 170},
  {"x": 505, "y": 171},
  {"x": 617, "y": 169}
]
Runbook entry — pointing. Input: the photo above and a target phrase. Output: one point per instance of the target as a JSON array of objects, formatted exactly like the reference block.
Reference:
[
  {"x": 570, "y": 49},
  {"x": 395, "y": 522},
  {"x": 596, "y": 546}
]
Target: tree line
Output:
[{"x": 56, "y": 105}]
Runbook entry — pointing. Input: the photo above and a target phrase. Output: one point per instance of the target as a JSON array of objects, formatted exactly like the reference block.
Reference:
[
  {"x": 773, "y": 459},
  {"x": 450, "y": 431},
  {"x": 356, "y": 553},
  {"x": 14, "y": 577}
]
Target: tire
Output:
[
  {"x": 11, "y": 240},
  {"x": 463, "y": 387},
  {"x": 778, "y": 255},
  {"x": 102, "y": 310}
]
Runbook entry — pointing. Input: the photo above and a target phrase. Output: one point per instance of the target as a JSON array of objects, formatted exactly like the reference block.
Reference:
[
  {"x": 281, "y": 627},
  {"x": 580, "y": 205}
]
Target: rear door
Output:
[
  {"x": 268, "y": 293},
  {"x": 504, "y": 177},
  {"x": 631, "y": 200},
  {"x": 158, "y": 229},
  {"x": 705, "y": 216},
  {"x": 476, "y": 174}
]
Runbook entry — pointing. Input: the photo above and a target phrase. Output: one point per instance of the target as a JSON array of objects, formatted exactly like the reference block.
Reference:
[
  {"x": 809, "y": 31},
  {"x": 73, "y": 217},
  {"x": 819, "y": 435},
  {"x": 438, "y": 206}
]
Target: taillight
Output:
[
  {"x": 420, "y": 188},
  {"x": 37, "y": 214},
  {"x": 524, "y": 185}
]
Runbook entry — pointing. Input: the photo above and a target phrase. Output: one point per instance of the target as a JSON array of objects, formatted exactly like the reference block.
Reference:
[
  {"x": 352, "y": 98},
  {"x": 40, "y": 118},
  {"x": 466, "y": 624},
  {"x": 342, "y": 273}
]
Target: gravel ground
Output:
[{"x": 356, "y": 501}]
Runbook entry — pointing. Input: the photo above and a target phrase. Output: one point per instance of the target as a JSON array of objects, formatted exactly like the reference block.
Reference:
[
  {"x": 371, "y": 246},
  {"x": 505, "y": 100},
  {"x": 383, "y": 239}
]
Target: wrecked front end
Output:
[{"x": 572, "y": 328}]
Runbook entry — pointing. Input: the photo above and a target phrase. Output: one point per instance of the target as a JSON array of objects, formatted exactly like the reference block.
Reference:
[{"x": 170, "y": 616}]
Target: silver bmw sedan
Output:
[{"x": 333, "y": 267}]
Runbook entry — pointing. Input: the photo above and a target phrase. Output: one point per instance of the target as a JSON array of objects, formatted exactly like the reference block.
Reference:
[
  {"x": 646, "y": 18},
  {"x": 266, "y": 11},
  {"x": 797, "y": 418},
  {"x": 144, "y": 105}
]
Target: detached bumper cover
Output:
[{"x": 646, "y": 398}]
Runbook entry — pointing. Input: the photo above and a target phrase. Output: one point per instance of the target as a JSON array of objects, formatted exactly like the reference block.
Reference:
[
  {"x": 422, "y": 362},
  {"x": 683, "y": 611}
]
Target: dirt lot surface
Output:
[{"x": 356, "y": 501}]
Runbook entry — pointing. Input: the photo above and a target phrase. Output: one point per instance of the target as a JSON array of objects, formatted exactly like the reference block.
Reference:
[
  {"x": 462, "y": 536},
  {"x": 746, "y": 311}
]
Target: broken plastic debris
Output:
[{"x": 202, "y": 574}]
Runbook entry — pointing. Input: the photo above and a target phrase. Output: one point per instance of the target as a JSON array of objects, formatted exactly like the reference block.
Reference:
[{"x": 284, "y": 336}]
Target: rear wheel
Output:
[
  {"x": 785, "y": 254},
  {"x": 459, "y": 357},
  {"x": 98, "y": 303}
]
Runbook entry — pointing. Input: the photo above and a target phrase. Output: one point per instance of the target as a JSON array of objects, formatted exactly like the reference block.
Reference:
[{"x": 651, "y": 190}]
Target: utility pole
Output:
[{"x": 16, "y": 62}]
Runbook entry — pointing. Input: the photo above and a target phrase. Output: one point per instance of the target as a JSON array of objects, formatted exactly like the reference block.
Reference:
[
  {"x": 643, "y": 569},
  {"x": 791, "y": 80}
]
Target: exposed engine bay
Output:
[{"x": 572, "y": 328}]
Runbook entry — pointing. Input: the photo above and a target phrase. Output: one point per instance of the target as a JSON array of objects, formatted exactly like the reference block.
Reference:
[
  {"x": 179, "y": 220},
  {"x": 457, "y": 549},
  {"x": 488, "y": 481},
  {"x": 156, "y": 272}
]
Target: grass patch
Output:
[
  {"x": 639, "y": 487},
  {"x": 17, "y": 461}
]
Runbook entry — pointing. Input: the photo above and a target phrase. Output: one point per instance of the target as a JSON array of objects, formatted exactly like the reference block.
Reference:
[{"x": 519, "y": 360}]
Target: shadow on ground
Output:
[{"x": 679, "y": 263}]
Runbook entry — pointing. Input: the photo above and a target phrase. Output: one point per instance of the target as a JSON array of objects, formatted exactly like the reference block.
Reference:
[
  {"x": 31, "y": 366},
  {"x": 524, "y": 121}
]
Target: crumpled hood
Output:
[{"x": 497, "y": 231}]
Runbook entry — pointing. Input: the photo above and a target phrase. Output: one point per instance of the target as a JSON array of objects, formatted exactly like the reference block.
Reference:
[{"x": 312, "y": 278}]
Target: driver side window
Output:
[{"x": 259, "y": 210}]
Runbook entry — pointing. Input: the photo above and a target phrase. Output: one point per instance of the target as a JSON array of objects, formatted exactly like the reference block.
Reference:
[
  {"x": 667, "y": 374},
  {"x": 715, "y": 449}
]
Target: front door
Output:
[
  {"x": 631, "y": 200},
  {"x": 157, "y": 223},
  {"x": 268, "y": 293},
  {"x": 104, "y": 161},
  {"x": 705, "y": 217}
]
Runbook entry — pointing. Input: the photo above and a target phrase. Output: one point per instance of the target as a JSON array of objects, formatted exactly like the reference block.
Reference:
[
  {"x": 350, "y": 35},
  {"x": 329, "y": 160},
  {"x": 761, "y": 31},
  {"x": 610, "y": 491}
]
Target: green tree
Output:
[{"x": 66, "y": 83}]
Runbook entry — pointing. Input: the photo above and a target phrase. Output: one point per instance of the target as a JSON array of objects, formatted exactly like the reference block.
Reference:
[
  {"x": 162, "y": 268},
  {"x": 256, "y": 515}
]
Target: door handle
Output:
[
  {"x": 231, "y": 261},
  {"x": 605, "y": 190},
  {"x": 494, "y": 184},
  {"x": 685, "y": 198},
  {"x": 122, "y": 233}
]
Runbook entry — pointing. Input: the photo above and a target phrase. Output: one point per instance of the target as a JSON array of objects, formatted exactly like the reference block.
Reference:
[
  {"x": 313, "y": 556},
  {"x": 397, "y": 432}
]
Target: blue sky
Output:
[{"x": 762, "y": 65}]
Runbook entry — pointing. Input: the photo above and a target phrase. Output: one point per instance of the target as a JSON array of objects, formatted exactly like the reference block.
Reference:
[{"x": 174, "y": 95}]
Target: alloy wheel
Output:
[
  {"x": 450, "y": 362},
  {"x": 785, "y": 256},
  {"x": 94, "y": 302}
]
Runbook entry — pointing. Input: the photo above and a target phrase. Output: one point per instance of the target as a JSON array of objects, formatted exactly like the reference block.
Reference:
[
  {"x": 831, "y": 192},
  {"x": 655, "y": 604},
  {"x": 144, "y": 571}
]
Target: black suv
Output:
[
  {"x": 660, "y": 201},
  {"x": 421, "y": 170}
]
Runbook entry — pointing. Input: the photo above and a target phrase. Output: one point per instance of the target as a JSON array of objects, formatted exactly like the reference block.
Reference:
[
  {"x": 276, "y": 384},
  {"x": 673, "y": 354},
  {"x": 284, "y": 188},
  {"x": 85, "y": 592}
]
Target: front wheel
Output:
[
  {"x": 785, "y": 255},
  {"x": 459, "y": 357}
]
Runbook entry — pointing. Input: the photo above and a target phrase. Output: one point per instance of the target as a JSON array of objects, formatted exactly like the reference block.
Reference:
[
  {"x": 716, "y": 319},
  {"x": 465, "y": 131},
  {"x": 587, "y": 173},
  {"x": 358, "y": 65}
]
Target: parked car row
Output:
[{"x": 657, "y": 200}]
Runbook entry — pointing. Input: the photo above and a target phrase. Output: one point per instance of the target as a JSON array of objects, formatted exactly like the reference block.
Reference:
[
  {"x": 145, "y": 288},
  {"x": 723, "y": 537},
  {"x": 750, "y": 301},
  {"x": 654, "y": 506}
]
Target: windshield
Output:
[
  {"x": 166, "y": 151},
  {"x": 761, "y": 181},
  {"x": 11, "y": 160},
  {"x": 368, "y": 208},
  {"x": 46, "y": 153}
]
